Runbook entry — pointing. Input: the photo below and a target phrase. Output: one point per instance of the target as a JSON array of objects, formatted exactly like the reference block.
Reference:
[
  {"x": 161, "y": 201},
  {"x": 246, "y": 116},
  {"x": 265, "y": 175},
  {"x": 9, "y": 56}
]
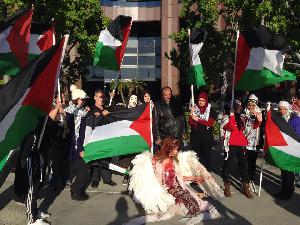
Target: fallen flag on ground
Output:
[
  {"x": 282, "y": 145},
  {"x": 27, "y": 97},
  {"x": 196, "y": 74},
  {"x": 14, "y": 42},
  {"x": 112, "y": 43},
  {"x": 260, "y": 58},
  {"x": 128, "y": 132}
]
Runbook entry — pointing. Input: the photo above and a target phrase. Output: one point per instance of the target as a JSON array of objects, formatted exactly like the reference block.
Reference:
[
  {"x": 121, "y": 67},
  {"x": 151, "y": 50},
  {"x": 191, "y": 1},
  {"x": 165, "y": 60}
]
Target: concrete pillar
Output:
[{"x": 169, "y": 24}]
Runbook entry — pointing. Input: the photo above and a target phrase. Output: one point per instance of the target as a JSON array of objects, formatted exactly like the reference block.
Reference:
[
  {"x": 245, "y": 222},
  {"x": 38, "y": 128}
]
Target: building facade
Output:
[{"x": 144, "y": 59}]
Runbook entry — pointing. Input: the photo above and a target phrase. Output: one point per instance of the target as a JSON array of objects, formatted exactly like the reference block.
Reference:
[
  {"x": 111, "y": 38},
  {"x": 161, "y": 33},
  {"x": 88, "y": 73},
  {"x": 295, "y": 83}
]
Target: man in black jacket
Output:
[
  {"x": 96, "y": 117},
  {"x": 168, "y": 117}
]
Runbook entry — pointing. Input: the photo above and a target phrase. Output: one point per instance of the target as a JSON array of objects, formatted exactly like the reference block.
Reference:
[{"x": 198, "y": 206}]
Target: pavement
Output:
[{"x": 114, "y": 206}]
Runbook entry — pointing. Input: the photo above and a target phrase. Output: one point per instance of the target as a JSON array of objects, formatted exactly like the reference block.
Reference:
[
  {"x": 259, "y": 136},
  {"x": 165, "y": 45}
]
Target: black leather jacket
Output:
[{"x": 168, "y": 119}]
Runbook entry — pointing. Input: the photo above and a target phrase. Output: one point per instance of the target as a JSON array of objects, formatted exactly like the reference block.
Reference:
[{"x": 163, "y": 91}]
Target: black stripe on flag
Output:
[
  {"x": 263, "y": 37},
  {"x": 127, "y": 114},
  {"x": 11, "y": 93},
  {"x": 284, "y": 126},
  {"x": 198, "y": 36},
  {"x": 10, "y": 21},
  {"x": 116, "y": 26}
]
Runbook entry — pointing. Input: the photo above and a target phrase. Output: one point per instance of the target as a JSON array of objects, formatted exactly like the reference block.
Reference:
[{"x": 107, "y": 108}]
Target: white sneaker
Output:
[
  {"x": 39, "y": 222},
  {"x": 42, "y": 215},
  {"x": 253, "y": 187}
]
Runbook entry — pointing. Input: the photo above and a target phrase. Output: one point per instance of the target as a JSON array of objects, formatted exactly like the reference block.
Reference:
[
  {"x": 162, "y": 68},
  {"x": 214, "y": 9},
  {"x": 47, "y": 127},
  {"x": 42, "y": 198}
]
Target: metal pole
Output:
[{"x": 234, "y": 70}]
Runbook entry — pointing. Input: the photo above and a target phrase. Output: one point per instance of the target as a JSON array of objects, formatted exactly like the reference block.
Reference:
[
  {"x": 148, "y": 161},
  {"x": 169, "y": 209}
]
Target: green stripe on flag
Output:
[
  {"x": 9, "y": 65},
  {"x": 282, "y": 160},
  {"x": 196, "y": 76},
  {"x": 123, "y": 145},
  {"x": 25, "y": 121},
  {"x": 105, "y": 57},
  {"x": 256, "y": 79}
]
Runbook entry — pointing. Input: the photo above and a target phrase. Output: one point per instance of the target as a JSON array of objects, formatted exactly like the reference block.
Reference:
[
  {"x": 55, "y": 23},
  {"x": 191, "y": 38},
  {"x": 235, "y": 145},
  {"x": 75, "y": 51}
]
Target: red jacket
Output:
[{"x": 237, "y": 137}]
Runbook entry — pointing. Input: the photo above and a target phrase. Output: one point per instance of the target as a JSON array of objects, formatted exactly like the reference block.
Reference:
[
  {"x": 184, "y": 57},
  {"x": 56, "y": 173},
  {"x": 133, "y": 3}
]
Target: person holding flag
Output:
[{"x": 288, "y": 177}]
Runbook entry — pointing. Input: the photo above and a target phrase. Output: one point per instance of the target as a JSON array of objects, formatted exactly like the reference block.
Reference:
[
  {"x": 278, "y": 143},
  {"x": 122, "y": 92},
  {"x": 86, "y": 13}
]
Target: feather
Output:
[
  {"x": 146, "y": 187},
  {"x": 190, "y": 166}
]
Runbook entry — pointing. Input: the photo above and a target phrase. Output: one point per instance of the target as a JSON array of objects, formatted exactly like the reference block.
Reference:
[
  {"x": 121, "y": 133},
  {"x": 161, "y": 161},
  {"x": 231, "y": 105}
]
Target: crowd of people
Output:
[{"x": 62, "y": 153}]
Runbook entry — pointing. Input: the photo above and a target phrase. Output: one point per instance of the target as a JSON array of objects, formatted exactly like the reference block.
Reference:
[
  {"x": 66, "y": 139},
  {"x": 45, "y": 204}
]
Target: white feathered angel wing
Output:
[
  {"x": 146, "y": 187},
  {"x": 190, "y": 166}
]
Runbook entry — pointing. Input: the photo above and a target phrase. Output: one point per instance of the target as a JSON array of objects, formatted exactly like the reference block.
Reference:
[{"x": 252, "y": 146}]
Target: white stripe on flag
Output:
[
  {"x": 108, "y": 40},
  {"x": 8, "y": 120},
  {"x": 33, "y": 47},
  {"x": 112, "y": 130},
  {"x": 293, "y": 147},
  {"x": 4, "y": 46},
  {"x": 195, "y": 49},
  {"x": 270, "y": 59}
]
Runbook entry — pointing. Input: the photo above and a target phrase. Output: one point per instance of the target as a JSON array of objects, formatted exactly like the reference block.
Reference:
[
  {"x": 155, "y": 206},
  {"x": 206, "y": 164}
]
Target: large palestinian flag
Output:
[
  {"x": 27, "y": 97},
  {"x": 112, "y": 43},
  {"x": 14, "y": 42},
  {"x": 128, "y": 132},
  {"x": 42, "y": 37},
  {"x": 259, "y": 59},
  {"x": 282, "y": 145},
  {"x": 196, "y": 74}
]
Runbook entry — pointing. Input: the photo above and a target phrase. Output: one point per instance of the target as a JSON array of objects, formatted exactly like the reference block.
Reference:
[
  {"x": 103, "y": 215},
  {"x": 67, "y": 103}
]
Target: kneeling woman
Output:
[{"x": 160, "y": 184}]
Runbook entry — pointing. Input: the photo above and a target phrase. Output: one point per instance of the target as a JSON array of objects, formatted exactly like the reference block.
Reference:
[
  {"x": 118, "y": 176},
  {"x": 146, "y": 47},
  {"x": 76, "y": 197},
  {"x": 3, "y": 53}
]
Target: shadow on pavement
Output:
[
  {"x": 122, "y": 209},
  {"x": 49, "y": 197},
  {"x": 6, "y": 196}
]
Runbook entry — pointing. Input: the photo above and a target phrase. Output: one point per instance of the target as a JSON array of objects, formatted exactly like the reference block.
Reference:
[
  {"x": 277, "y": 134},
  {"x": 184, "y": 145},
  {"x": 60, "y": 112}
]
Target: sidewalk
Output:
[{"x": 113, "y": 205}]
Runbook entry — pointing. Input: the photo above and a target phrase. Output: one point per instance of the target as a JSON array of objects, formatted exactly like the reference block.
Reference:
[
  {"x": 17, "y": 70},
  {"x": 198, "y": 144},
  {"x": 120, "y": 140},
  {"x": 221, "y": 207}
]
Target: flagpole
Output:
[
  {"x": 192, "y": 86},
  {"x": 151, "y": 108},
  {"x": 234, "y": 70}
]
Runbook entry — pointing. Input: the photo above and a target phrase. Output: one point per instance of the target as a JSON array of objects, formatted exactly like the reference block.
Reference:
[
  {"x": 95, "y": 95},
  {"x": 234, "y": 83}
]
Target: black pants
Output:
[
  {"x": 80, "y": 171},
  {"x": 239, "y": 153},
  {"x": 203, "y": 147},
  {"x": 252, "y": 157},
  {"x": 287, "y": 182},
  {"x": 26, "y": 185},
  {"x": 99, "y": 170}
]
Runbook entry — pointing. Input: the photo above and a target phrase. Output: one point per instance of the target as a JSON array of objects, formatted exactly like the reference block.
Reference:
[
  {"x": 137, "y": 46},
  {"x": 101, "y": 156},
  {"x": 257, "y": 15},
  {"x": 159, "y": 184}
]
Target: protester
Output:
[
  {"x": 287, "y": 177},
  {"x": 28, "y": 176},
  {"x": 252, "y": 119},
  {"x": 168, "y": 117},
  {"x": 296, "y": 110},
  {"x": 168, "y": 172},
  {"x": 236, "y": 149},
  {"x": 75, "y": 116},
  {"x": 202, "y": 118},
  {"x": 57, "y": 131},
  {"x": 96, "y": 117}
]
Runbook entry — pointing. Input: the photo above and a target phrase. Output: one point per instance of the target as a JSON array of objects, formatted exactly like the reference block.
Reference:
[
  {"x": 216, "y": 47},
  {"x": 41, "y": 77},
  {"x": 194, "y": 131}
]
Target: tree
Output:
[
  {"x": 81, "y": 19},
  {"x": 217, "y": 54}
]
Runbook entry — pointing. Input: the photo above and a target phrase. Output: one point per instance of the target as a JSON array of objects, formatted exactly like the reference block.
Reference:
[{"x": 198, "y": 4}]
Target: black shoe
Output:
[
  {"x": 94, "y": 184},
  {"x": 78, "y": 197},
  {"x": 85, "y": 196},
  {"x": 111, "y": 183}
]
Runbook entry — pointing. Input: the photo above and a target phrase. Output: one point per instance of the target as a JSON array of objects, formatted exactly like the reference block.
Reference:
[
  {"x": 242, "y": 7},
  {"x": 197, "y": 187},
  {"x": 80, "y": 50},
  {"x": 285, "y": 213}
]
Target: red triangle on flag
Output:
[
  {"x": 142, "y": 125},
  {"x": 19, "y": 36},
  {"x": 273, "y": 136},
  {"x": 242, "y": 58},
  {"x": 47, "y": 40}
]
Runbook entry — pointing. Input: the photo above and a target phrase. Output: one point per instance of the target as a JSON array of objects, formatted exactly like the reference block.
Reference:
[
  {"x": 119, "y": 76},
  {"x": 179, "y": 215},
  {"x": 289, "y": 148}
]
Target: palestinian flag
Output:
[
  {"x": 195, "y": 75},
  {"x": 128, "y": 132},
  {"x": 14, "y": 42},
  {"x": 111, "y": 44},
  {"x": 282, "y": 145},
  {"x": 42, "y": 37},
  {"x": 27, "y": 97},
  {"x": 259, "y": 59}
]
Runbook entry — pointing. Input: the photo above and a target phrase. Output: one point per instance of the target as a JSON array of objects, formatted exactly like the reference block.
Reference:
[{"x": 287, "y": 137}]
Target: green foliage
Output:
[
  {"x": 81, "y": 19},
  {"x": 2, "y": 83},
  {"x": 217, "y": 54}
]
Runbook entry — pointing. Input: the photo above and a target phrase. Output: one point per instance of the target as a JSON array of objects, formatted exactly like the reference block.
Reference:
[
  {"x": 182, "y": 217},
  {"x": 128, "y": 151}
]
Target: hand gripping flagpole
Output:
[
  {"x": 234, "y": 70},
  {"x": 263, "y": 160}
]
